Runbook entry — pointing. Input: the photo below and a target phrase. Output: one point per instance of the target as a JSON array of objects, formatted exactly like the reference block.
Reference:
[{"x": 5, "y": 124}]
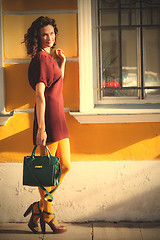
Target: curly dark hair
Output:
[{"x": 32, "y": 37}]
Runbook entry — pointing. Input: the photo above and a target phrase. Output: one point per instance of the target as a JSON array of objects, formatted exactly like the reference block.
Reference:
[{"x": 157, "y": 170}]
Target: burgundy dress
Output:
[{"x": 43, "y": 68}]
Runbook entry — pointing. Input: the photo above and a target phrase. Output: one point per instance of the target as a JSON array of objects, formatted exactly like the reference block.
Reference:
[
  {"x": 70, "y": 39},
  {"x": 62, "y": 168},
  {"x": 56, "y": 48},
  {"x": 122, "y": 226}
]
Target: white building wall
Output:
[{"x": 92, "y": 191}]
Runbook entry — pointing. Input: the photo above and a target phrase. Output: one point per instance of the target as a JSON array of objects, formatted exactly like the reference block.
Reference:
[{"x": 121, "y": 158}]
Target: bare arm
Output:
[{"x": 40, "y": 111}]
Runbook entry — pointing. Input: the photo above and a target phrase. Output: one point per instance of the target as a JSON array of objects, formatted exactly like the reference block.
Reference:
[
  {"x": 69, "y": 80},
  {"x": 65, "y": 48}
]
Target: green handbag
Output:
[{"x": 42, "y": 171}]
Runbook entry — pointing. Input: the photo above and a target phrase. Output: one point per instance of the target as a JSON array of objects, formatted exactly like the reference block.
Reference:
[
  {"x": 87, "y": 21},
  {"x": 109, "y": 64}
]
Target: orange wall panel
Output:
[
  {"x": 23, "y": 5},
  {"x": 89, "y": 142},
  {"x": 71, "y": 86},
  {"x": 16, "y": 138},
  {"x": 18, "y": 93},
  {"x": 114, "y": 141},
  {"x": 15, "y": 26}
]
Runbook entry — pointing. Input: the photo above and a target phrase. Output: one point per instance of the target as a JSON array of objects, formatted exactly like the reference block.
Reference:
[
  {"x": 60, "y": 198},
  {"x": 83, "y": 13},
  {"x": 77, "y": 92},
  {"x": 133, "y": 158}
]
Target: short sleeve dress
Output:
[{"x": 43, "y": 68}]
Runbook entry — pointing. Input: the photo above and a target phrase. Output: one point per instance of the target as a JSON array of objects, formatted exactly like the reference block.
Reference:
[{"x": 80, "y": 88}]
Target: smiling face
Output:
[{"x": 47, "y": 37}]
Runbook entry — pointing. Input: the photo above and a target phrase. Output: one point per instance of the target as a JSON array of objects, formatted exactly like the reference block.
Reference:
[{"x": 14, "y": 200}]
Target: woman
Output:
[{"x": 46, "y": 78}]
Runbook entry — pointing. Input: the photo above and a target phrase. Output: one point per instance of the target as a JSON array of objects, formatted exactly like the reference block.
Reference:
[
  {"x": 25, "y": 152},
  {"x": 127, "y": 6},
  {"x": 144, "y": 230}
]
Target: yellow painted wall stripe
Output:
[{"x": 21, "y": 5}]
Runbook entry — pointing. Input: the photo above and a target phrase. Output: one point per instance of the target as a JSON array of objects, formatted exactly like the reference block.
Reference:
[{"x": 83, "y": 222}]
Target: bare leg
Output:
[
  {"x": 47, "y": 206},
  {"x": 62, "y": 150}
]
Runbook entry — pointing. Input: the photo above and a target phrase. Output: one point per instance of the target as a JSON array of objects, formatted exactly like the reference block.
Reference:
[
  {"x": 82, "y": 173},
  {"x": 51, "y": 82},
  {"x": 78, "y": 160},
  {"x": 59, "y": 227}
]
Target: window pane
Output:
[
  {"x": 120, "y": 43},
  {"x": 156, "y": 16},
  {"x": 129, "y": 60},
  {"x": 125, "y": 17},
  {"x": 152, "y": 60},
  {"x": 114, "y": 92},
  {"x": 110, "y": 60},
  {"x": 109, "y": 18},
  {"x": 147, "y": 16},
  {"x": 128, "y": 17},
  {"x": 151, "y": 16},
  {"x": 108, "y": 3},
  {"x": 130, "y": 3},
  {"x": 150, "y": 3}
]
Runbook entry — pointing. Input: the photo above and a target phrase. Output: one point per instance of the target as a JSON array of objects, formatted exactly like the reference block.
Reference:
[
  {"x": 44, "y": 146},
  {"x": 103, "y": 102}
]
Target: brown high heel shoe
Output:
[
  {"x": 55, "y": 229},
  {"x": 33, "y": 226}
]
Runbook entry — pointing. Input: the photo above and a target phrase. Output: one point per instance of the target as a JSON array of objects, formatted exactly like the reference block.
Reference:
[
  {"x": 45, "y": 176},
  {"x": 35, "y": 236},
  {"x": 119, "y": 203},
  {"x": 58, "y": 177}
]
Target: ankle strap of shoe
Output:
[
  {"x": 39, "y": 208},
  {"x": 50, "y": 214}
]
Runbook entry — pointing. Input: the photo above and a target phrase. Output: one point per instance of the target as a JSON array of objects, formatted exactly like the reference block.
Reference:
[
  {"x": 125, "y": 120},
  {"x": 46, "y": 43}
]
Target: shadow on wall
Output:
[
  {"x": 141, "y": 207},
  {"x": 16, "y": 137},
  {"x": 19, "y": 142},
  {"x": 113, "y": 191}
]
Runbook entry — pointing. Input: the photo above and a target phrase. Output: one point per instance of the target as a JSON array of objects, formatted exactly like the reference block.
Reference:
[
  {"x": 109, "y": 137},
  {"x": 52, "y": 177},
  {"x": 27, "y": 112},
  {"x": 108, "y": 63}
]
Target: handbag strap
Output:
[
  {"x": 40, "y": 185},
  {"x": 49, "y": 194},
  {"x": 47, "y": 150}
]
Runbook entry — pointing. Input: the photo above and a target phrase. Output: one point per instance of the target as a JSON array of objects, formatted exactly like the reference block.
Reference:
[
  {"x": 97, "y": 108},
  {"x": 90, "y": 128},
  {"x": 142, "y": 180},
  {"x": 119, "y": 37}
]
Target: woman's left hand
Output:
[{"x": 60, "y": 54}]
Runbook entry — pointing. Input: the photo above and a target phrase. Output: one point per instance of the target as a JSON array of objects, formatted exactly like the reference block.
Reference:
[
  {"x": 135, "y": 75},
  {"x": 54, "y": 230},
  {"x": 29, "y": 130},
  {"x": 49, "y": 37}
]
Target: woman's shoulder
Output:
[
  {"x": 44, "y": 55},
  {"x": 42, "y": 58},
  {"x": 39, "y": 56}
]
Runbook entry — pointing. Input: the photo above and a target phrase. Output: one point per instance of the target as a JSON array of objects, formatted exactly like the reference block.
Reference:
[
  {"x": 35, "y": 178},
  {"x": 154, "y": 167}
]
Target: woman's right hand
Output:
[{"x": 41, "y": 138}]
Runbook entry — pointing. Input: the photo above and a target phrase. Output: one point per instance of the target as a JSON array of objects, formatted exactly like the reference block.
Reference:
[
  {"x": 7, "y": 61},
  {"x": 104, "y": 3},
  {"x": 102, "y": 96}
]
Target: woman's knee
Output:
[{"x": 65, "y": 167}]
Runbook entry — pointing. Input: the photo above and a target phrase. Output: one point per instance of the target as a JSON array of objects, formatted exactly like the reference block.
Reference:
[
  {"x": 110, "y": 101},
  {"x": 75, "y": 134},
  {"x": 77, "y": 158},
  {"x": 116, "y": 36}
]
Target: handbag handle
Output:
[{"x": 47, "y": 150}]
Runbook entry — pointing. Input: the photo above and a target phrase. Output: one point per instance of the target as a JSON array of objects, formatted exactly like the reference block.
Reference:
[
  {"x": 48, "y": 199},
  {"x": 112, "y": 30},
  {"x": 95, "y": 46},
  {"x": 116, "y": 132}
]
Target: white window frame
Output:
[
  {"x": 85, "y": 55},
  {"x": 87, "y": 112},
  {"x": 4, "y": 116},
  {"x": 2, "y": 101}
]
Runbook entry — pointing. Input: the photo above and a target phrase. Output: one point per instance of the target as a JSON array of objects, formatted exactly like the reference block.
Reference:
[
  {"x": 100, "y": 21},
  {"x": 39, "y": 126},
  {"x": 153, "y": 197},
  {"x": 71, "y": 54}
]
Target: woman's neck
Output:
[{"x": 48, "y": 50}]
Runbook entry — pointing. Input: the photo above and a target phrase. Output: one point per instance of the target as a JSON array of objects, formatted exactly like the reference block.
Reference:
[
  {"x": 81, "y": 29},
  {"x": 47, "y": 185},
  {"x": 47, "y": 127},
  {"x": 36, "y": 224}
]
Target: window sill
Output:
[
  {"x": 4, "y": 117},
  {"x": 119, "y": 114}
]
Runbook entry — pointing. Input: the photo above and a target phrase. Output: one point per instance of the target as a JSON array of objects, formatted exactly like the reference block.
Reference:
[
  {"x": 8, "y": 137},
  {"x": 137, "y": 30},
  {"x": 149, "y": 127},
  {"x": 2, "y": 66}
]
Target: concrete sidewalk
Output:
[{"x": 86, "y": 231}]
